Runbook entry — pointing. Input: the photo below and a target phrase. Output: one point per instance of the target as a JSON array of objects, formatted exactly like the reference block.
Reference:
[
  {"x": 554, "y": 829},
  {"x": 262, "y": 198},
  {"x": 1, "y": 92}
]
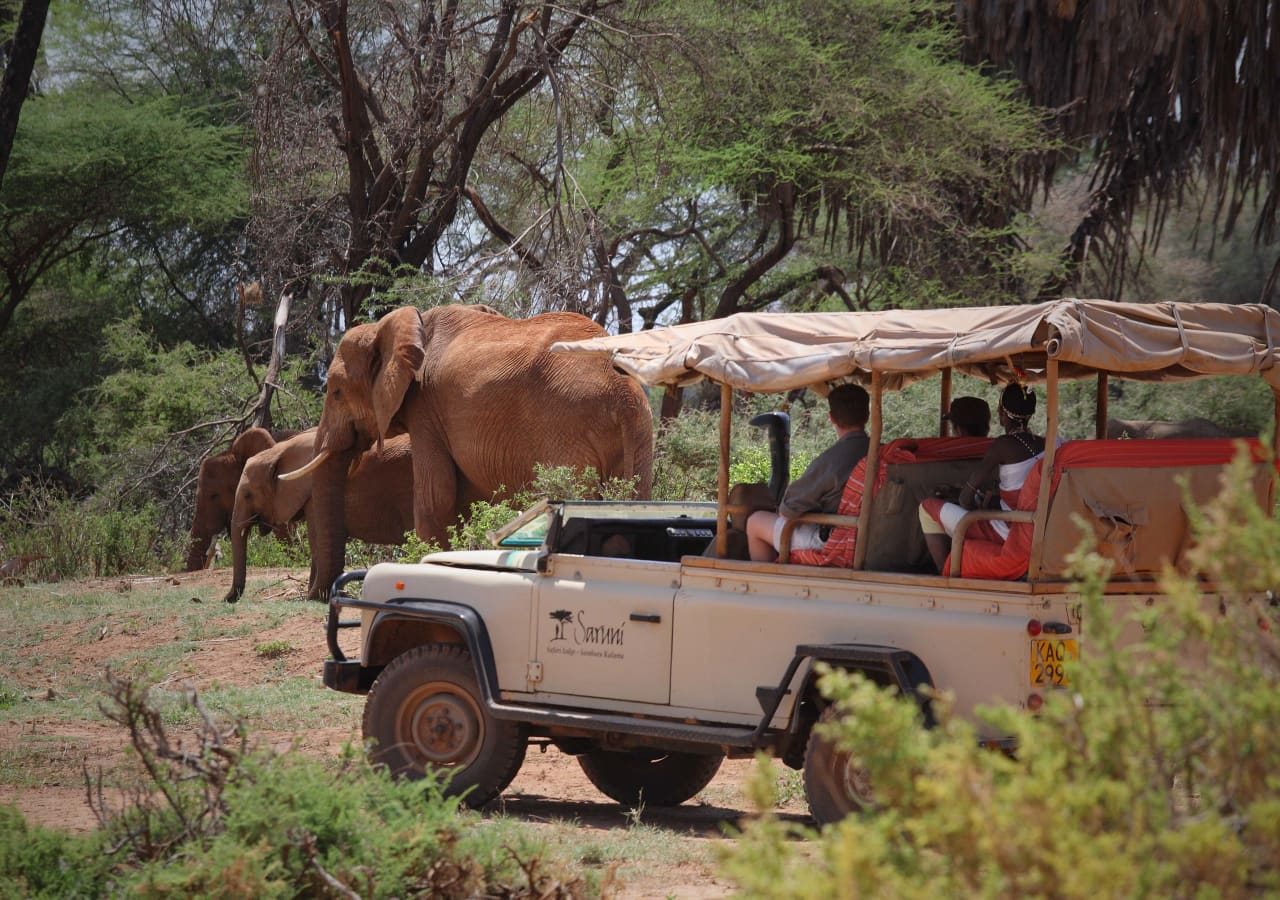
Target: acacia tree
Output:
[
  {"x": 370, "y": 117},
  {"x": 88, "y": 168},
  {"x": 1159, "y": 93},
  {"x": 801, "y": 151}
]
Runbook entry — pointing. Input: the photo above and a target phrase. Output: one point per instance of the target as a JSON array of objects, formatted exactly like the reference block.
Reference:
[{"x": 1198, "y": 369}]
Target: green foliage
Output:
[
  {"x": 414, "y": 548},
  {"x": 1154, "y": 774},
  {"x": 222, "y": 821},
  {"x": 265, "y": 550},
  {"x": 67, "y": 537},
  {"x": 686, "y": 454},
  {"x": 274, "y": 649},
  {"x": 902, "y": 160},
  {"x": 42, "y": 863}
]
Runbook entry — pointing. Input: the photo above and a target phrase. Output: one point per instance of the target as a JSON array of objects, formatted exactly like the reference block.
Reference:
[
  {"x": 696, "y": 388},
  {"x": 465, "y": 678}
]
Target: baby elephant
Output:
[{"x": 378, "y": 497}]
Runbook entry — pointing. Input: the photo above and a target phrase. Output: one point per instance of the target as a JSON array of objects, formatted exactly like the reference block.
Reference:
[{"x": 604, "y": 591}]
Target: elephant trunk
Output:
[
  {"x": 197, "y": 551},
  {"x": 326, "y": 524},
  {"x": 239, "y": 559}
]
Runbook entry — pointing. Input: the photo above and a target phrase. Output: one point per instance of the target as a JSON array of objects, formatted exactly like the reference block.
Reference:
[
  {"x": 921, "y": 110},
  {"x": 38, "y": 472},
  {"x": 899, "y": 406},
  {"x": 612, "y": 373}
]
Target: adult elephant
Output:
[
  {"x": 378, "y": 498},
  {"x": 216, "y": 491},
  {"x": 483, "y": 399}
]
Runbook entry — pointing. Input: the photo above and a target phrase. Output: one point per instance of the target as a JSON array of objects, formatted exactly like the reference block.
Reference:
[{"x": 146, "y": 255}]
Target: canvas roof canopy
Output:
[{"x": 773, "y": 352}]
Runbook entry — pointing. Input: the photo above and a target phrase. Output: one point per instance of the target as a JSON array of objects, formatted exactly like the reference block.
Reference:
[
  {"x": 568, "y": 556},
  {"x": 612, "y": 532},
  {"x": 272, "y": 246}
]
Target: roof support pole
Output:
[
  {"x": 1100, "y": 408},
  {"x": 873, "y": 471},
  {"x": 722, "y": 478},
  {"x": 1275, "y": 444},
  {"x": 1275, "y": 426},
  {"x": 944, "y": 405},
  {"x": 1046, "y": 468}
]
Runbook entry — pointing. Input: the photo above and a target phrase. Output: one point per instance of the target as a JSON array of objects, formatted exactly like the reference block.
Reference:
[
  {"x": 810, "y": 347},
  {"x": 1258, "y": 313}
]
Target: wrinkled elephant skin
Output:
[
  {"x": 378, "y": 499},
  {"x": 216, "y": 490},
  {"x": 483, "y": 399}
]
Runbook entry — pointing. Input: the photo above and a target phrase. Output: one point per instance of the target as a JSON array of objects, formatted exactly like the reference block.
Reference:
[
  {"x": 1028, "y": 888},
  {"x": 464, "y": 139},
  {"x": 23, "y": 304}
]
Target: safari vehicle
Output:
[{"x": 622, "y": 634}]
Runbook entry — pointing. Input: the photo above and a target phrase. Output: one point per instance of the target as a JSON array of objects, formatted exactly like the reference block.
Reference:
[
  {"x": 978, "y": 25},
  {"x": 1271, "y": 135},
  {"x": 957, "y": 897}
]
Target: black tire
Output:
[
  {"x": 834, "y": 785},
  {"x": 651, "y": 777},
  {"x": 425, "y": 711}
]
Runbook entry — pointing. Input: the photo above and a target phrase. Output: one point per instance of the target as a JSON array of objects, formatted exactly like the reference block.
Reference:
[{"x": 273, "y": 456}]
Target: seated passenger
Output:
[
  {"x": 820, "y": 487},
  {"x": 969, "y": 417},
  {"x": 1013, "y": 455}
]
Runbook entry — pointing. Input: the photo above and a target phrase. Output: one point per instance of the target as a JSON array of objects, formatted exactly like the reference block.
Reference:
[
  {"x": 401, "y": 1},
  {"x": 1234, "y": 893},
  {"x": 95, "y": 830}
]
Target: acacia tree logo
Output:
[{"x": 563, "y": 617}]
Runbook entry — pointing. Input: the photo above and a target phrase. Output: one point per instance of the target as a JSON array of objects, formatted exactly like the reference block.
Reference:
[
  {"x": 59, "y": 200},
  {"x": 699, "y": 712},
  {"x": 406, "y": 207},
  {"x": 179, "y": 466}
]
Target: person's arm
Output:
[
  {"x": 985, "y": 472},
  {"x": 806, "y": 492},
  {"x": 820, "y": 480}
]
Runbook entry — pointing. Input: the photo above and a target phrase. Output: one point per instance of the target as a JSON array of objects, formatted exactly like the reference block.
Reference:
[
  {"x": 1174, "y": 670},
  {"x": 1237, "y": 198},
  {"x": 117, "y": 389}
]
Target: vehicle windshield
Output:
[{"x": 530, "y": 528}]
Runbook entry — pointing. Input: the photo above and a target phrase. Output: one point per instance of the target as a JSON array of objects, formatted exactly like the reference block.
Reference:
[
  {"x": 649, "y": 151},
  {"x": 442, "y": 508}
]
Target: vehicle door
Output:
[{"x": 603, "y": 627}]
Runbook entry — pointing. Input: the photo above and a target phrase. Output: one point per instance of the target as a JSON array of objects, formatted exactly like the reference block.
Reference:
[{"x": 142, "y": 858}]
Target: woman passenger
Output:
[{"x": 1013, "y": 455}]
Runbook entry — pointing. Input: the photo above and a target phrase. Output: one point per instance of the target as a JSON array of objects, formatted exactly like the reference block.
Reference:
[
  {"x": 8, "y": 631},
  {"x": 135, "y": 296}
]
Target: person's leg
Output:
[
  {"x": 760, "y": 536},
  {"x": 936, "y": 538}
]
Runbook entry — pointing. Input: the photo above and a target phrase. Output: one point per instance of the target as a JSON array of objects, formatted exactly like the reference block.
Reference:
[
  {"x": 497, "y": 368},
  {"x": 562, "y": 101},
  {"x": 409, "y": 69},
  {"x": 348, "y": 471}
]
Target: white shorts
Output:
[
  {"x": 805, "y": 537},
  {"x": 952, "y": 513}
]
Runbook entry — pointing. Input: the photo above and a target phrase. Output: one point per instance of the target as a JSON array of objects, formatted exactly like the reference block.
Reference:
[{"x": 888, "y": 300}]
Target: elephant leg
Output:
[
  {"x": 435, "y": 487},
  {"x": 312, "y": 589},
  {"x": 326, "y": 525}
]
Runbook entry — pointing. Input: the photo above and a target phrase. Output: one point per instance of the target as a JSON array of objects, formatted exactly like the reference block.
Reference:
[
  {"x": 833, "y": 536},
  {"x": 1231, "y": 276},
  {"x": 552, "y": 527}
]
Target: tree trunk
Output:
[
  {"x": 262, "y": 411},
  {"x": 22, "y": 52}
]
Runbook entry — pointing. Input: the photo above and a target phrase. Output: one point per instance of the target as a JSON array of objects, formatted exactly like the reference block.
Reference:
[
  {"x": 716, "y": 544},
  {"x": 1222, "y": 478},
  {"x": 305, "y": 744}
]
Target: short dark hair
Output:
[
  {"x": 970, "y": 414},
  {"x": 850, "y": 405}
]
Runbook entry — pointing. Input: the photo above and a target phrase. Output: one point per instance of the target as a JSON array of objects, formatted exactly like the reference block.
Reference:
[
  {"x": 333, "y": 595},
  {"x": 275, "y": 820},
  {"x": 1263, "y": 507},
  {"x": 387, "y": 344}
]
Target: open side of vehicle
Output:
[{"x": 602, "y": 628}]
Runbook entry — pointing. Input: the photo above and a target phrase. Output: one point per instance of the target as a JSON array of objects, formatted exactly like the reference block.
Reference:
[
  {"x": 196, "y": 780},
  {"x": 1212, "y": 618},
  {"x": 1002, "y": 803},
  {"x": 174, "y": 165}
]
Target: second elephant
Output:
[{"x": 379, "y": 498}]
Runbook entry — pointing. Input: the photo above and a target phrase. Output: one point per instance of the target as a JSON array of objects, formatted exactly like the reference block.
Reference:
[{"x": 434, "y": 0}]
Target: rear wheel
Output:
[
  {"x": 650, "y": 776},
  {"x": 834, "y": 784},
  {"x": 425, "y": 712}
]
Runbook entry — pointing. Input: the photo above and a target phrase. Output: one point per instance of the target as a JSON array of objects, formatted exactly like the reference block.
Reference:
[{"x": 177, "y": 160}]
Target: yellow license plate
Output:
[{"x": 1049, "y": 657}]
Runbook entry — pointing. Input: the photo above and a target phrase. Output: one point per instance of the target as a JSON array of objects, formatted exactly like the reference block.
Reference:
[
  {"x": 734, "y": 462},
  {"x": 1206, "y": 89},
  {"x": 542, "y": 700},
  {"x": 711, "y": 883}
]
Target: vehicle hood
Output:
[{"x": 522, "y": 560}]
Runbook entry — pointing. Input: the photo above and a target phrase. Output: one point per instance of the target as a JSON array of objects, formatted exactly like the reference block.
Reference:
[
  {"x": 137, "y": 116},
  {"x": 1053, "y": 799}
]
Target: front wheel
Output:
[
  {"x": 650, "y": 776},
  {"x": 834, "y": 784},
  {"x": 425, "y": 712}
]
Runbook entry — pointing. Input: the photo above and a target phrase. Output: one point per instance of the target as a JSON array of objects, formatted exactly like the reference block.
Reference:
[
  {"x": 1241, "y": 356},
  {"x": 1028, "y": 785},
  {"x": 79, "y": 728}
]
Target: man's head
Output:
[
  {"x": 971, "y": 416},
  {"x": 850, "y": 406}
]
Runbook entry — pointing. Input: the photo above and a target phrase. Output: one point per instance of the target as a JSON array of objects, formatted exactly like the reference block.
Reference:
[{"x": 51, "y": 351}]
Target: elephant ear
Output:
[
  {"x": 251, "y": 443},
  {"x": 289, "y": 496},
  {"x": 401, "y": 352}
]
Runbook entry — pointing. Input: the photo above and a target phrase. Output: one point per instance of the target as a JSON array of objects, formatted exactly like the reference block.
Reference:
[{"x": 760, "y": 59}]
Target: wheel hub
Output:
[
  {"x": 856, "y": 782},
  {"x": 444, "y": 728}
]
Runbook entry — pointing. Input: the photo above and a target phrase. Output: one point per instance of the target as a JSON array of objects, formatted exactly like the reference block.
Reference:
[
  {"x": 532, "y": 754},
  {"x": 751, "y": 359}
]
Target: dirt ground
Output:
[{"x": 550, "y": 792}]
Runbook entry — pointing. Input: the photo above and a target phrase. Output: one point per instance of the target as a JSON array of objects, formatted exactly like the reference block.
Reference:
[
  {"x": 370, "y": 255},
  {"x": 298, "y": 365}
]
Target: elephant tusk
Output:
[{"x": 307, "y": 469}]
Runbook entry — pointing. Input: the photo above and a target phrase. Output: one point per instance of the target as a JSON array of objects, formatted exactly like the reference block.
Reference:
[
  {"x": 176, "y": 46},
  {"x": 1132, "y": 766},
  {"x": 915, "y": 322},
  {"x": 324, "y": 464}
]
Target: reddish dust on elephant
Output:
[
  {"x": 378, "y": 499},
  {"x": 482, "y": 399},
  {"x": 216, "y": 491}
]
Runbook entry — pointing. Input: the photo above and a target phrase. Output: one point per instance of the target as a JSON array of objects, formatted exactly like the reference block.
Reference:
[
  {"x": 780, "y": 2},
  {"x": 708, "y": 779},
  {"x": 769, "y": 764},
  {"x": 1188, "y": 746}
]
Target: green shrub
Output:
[
  {"x": 289, "y": 819},
  {"x": 68, "y": 538},
  {"x": 1155, "y": 774},
  {"x": 268, "y": 551},
  {"x": 686, "y": 456},
  {"x": 38, "y": 862}
]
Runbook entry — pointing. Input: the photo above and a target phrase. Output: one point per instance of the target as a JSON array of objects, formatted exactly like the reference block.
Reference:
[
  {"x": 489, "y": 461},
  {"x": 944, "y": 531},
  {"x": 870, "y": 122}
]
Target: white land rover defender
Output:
[{"x": 622, "y": 634}]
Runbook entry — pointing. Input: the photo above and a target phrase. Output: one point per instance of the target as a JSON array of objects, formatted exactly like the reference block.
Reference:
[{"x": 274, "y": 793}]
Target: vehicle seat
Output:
[
  {"x": 1131, "y": 496},
  {"x": 893, "y": 522}
]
